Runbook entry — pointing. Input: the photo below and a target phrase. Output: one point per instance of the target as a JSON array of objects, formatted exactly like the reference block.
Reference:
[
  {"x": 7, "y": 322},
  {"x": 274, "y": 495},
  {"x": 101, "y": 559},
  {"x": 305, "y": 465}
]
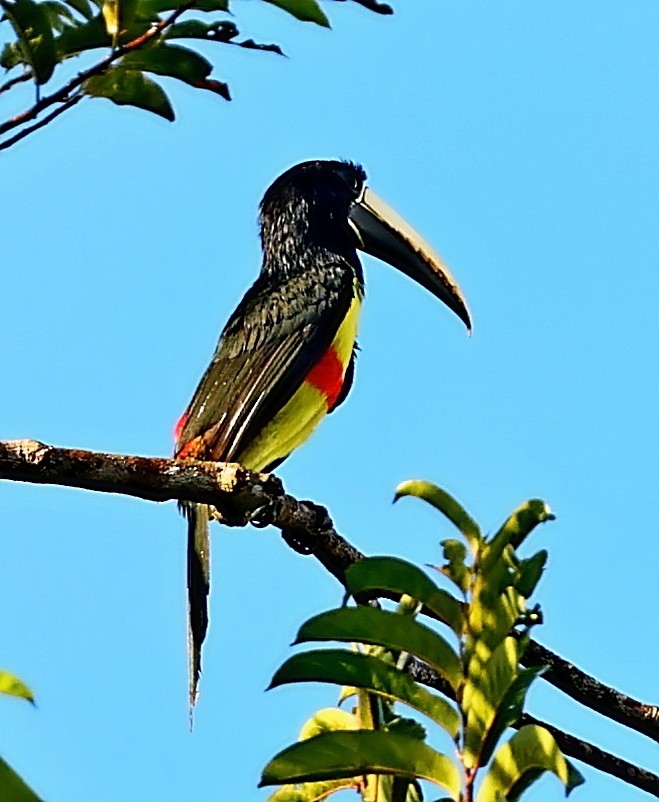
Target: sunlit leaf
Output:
[
  {"x": 31, "y": 23},
  {"x": 509, "y": 710},
  {"x": 335, "y": 755},
  {"x": 455, "y": 569},
  {"x": 393, "y": 631},
  {"x": 13, "y": 788},
  {"x": 13, "y": 686},
  {"x": 531, "y": 751},
  {"x": 524, "y": 520},
  {"x": 118, "y": 16},
  {"x": 355, "y": 669},
  {"x": 130, "y": 88},
  {"x": 327, "y": 720},
  {"x": 305, "y": 10},
  {"x": 483, "y": 692},
  {"x": 311, "y": 792},
  {"x": 491, "y": 616},
  {"x": 392, "y": 575},
  {"x": 445, "y": 503}
]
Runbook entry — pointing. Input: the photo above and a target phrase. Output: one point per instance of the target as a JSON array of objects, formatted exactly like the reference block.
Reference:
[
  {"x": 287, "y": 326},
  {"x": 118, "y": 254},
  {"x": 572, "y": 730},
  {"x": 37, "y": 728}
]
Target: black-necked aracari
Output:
[{"x": 286, "y": 356}]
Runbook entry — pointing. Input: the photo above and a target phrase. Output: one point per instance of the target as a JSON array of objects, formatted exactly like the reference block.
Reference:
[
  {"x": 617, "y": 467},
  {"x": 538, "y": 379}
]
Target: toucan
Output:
[{"x": 286, "y": 357}]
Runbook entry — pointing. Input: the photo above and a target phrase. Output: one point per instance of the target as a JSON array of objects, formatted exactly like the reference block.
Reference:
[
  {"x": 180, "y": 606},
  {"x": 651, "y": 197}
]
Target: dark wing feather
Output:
[{"x": 267, "y": 348}]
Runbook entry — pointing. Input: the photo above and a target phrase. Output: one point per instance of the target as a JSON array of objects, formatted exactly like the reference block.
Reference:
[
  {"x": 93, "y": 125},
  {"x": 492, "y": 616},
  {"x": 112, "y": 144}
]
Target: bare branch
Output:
[
  {"x": 242, "y": 496},
  {"x": 238, "y": 494},
  {"x": 565, "y": 676}
]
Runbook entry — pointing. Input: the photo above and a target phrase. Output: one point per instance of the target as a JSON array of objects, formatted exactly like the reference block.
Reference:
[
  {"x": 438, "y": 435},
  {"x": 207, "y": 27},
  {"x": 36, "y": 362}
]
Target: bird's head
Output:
[{"x": 327, "y": 205}]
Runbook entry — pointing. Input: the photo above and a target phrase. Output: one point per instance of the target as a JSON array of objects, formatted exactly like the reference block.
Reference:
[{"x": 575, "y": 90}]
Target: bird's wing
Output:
[{"x": 266, "y": 350}]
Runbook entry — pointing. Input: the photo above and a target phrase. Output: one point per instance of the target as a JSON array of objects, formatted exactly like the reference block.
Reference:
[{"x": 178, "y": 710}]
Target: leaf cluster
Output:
[
  {"x": 142, "y": 37},
  {"x": 473, "y": 638}
]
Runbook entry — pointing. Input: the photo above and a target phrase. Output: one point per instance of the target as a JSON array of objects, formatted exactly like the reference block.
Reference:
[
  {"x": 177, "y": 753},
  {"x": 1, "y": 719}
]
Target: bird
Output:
[{"x": 286, "y": 356}]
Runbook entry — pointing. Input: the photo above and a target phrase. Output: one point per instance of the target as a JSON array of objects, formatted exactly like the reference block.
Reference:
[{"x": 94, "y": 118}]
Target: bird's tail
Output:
[{"x": 198, "y": 588}]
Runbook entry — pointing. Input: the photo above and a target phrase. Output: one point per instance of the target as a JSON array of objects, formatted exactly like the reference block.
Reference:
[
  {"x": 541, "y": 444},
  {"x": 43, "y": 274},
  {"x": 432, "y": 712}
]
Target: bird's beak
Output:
[{"x": 383, "y": 233}]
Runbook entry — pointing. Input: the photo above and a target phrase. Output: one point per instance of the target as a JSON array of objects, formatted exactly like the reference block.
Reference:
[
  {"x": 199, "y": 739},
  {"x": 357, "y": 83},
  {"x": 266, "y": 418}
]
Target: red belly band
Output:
[{"x": 327, "y": 376}]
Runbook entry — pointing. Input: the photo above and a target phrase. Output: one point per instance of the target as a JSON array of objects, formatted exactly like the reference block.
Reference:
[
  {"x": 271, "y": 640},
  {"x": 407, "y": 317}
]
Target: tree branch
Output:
[
  {"x": 19, "y": 79},
  {"x": 66, "y": 105},
  {"x": 598, "y": 758},
  {"x": 242, "y": 496},
  {"x": 568, "y": 744},
  {"x": 62, "y": 94},
  {"x": 565, "y": 676}
]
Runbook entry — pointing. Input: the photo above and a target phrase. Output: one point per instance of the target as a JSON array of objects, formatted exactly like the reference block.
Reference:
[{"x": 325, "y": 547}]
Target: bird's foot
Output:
[{"x": 264, "y": 515}]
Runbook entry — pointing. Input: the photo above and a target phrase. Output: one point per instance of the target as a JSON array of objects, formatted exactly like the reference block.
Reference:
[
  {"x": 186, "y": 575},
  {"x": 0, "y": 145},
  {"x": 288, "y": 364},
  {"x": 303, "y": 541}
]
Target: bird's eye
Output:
[{"x": 354, "y": 183}]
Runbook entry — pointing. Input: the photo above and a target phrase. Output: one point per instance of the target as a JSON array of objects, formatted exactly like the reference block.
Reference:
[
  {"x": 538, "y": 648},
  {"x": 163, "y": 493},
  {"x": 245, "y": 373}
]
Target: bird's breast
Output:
[
  {"x": 328, "y": 373},
  {"x": 317, "y": 394}
]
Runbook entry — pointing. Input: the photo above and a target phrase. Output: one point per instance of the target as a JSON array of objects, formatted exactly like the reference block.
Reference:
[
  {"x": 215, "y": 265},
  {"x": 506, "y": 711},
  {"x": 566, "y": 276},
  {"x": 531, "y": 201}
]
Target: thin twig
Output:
[
  {"x": 65, "y": 91},
  {"x": 12, "y": 140},
  {"x": 239, "y": 494},
  {"x": 25, "y": 76}
]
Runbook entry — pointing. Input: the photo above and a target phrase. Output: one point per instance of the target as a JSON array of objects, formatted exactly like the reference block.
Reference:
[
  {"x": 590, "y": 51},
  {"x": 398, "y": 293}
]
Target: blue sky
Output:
[{"x": 521, "y": 139}]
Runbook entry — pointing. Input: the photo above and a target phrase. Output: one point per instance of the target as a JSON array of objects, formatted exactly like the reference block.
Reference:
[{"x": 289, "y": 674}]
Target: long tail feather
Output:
[{"x": 198, "y": 589}]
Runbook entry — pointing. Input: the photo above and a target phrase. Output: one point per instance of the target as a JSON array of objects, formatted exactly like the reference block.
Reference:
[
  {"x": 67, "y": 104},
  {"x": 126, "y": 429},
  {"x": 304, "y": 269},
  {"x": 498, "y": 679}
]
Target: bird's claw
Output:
[{"x": 264, "y": 515}]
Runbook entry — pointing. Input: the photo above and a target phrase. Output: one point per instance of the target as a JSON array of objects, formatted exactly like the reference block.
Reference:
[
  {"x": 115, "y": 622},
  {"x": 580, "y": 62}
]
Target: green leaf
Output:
[
  {"x": 392, "y": 575},
  {"x": 407, "y": 726},
  {"x": 445, "y": 503},
  {"x": 31, "y": 23},
  {"x": 151, "y": 8},
  {"x": 305, "y": 10},
  {"x": 327, "y": 720},
  {"x": 60, "y": 17},
  {"x": 130, "y": 88},
  {"x": 510, "y": 709},
  {"x": 360, "y": 670},
  {"x": 334, "y": 755},
  {"x": 13, "y": 788},
  {"x": 382, "y": 628},
  {"x": 524, "y": 520},
  {"x": 222, "y": 31},
  {"x": 119, "y": 16},
  {"x": 531, "y": 751},
  {"x": 91, "y": 35},
  {"x": 171, "y": 60},
  {"x": 11, "y": 56},
  {"x": 483, "y": 692},
  {"x": 530, "y": 572},
  {"x": 455, "y": 568},
  {"x": 211, "y": 5},
  {"x": 311, "y": 792},
  {"x": 13, "y": 686},
  {"x": 83, "y": 7}
]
